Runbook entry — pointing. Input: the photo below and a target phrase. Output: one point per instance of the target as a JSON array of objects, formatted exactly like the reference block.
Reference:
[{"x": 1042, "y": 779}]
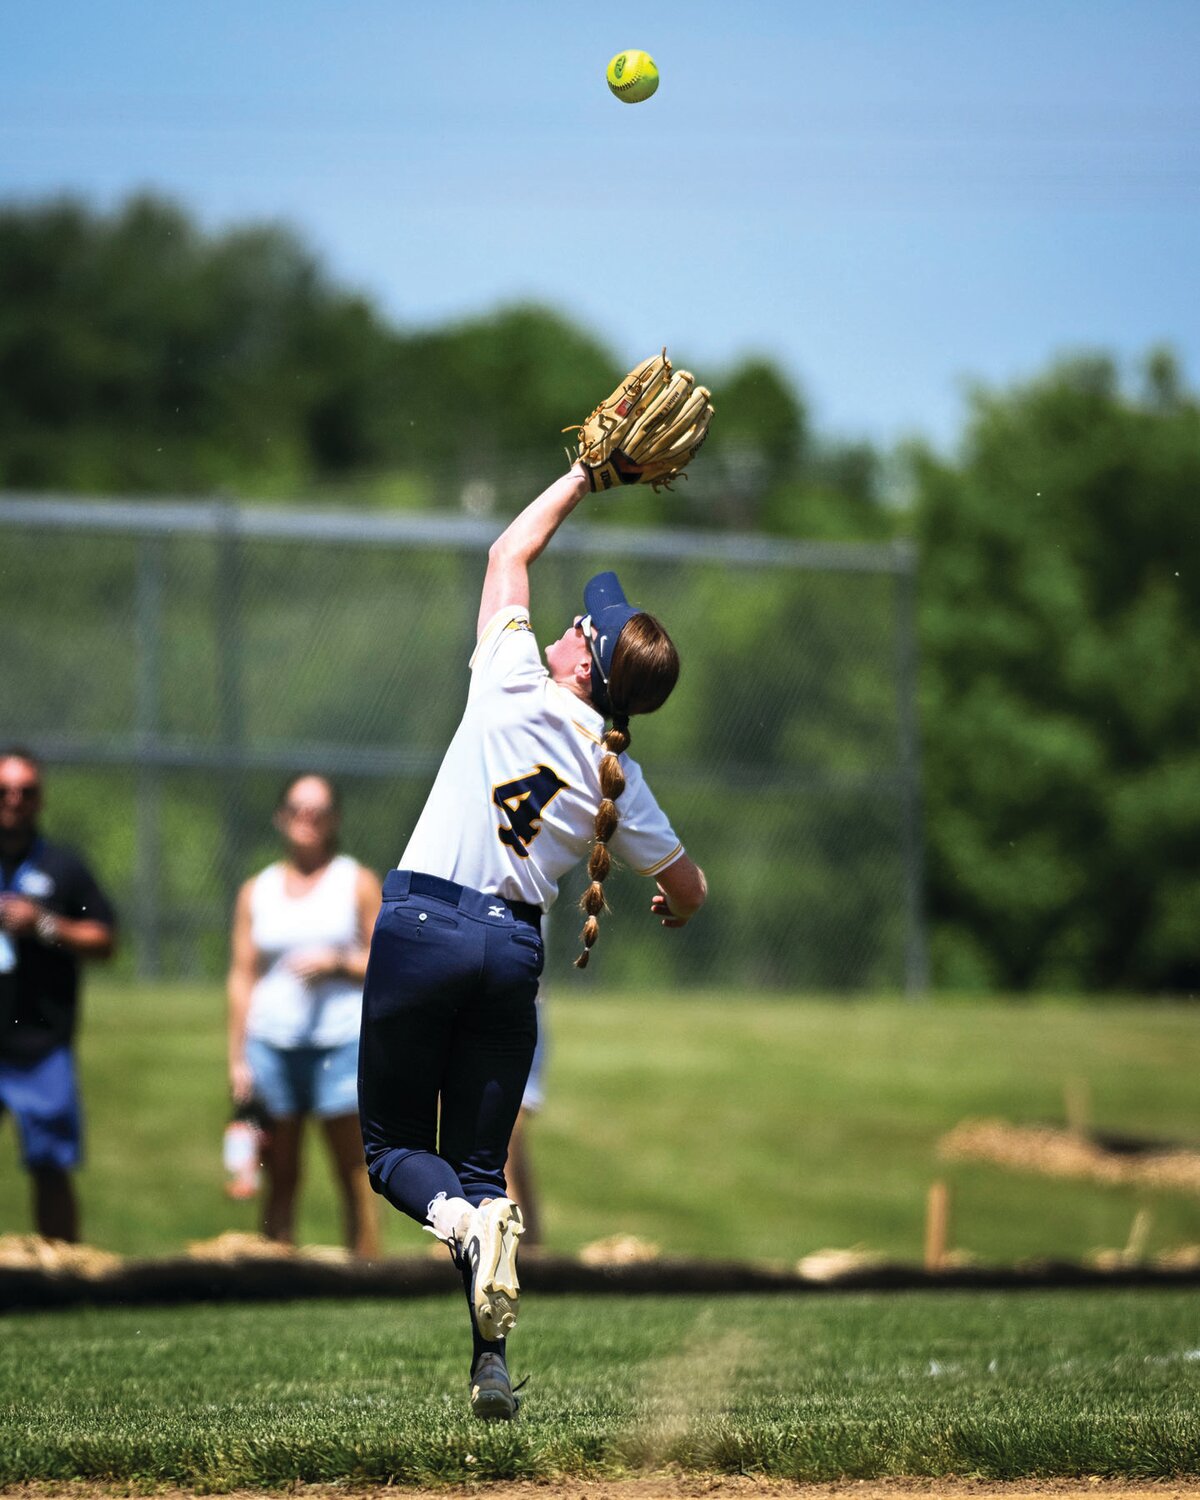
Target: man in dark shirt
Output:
[{"x": 52, "y": 914}]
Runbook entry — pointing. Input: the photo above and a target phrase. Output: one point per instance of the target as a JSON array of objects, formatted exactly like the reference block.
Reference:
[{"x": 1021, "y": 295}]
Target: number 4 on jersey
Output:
[{"x": 522, "y": 801}]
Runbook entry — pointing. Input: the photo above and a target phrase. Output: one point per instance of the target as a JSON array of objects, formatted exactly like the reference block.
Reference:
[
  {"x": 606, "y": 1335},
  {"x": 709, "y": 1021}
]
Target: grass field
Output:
[
  {"x": 796, "y": 1387},
  {"x": 710, "y": 1124}
]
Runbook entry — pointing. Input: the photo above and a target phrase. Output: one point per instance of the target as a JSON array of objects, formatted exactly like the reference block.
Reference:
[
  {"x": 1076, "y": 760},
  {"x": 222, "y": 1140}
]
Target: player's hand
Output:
[
  {"x": 241, "y": 1081},
  {"x": 660, "y": 906},
  {"x": 18, "y": 914},
  {"x": 316, "y": 963}
]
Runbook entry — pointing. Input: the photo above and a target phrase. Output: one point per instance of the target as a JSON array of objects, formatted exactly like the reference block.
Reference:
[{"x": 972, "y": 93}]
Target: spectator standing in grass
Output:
[
  {"x": 52, "y": 915},
  {"x": 301, "y": 931}
]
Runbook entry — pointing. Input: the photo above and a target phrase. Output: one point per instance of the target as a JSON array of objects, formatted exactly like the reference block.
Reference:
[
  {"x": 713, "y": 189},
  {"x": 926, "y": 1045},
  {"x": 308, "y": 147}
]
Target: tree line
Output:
[{"x": 1059, "y": 595}]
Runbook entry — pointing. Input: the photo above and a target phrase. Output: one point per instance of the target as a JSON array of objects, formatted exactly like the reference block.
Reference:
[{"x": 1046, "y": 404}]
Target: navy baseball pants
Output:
[{"x": 448, "y": 1017}]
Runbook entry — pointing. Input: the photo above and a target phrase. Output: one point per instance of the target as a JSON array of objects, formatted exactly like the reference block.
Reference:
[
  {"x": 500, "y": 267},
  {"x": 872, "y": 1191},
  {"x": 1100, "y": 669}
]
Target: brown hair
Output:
[
  {"x": 335, "y": 795},
  {"x": 645, "y": 667},
  {"x": 333, "y": 839}
]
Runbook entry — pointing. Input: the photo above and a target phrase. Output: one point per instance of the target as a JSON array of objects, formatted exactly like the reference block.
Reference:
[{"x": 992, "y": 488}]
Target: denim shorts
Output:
[
  {"x": 319, "y": 1081},
  {"x": 44, "y": 1099}
]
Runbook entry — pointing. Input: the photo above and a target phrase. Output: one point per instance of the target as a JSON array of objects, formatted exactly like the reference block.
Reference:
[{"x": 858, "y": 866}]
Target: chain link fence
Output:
[{"x": 173, "y": 663}]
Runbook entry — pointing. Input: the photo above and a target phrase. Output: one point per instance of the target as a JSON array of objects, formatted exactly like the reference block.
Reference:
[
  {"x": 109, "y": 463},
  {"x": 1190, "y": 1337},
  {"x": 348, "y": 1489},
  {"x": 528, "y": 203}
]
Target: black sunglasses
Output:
[{"x": 25, "y": 793}]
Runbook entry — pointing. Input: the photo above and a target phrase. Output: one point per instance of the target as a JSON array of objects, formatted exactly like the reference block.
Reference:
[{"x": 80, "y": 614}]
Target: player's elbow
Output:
[
  {"x": 505, "y": 552},
  {"x": 507, "y": 571}
]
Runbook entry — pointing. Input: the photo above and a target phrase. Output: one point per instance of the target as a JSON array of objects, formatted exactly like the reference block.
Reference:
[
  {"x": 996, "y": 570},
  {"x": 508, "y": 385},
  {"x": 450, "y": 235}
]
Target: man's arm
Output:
[
  {"x": 83, "y": 936},
  {"x": 507, "y": 578},
  {"x": 87, "y": 938},
  {"x": 682, "y": 891}
]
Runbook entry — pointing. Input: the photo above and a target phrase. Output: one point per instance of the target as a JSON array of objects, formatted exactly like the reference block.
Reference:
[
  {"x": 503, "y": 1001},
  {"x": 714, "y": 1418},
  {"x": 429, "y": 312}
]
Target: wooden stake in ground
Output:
[
  {"x": 1139, "y": 1235},
  {"x": 937, "y": 1225}
]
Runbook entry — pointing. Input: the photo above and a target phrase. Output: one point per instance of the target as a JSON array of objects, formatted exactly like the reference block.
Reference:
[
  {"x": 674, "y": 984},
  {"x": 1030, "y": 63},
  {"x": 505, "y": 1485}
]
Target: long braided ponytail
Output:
[
  {"x": 612, "y": 784},
  {"x": 645, "y": 667}
]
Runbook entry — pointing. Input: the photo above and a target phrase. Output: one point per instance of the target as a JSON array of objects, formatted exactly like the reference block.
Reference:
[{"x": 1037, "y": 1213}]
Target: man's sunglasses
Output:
[{"x": 24, "y": 793}]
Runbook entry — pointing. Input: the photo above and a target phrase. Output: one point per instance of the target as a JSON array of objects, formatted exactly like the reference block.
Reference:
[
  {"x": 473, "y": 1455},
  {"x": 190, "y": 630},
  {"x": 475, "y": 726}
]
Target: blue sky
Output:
[{"x": 890, "y": 200}]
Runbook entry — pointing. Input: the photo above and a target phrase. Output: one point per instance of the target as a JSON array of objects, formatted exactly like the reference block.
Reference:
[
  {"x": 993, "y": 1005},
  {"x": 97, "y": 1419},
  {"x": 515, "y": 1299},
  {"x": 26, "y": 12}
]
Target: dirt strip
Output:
[
  {"x": 675, "y": 1487},
  {"x": 165, "y": 1282}
]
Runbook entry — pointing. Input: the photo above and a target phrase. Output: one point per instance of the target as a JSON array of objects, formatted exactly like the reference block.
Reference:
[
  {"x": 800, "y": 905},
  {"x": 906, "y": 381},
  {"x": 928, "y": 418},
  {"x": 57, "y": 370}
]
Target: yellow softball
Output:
[{"x": 632, "y": 76}]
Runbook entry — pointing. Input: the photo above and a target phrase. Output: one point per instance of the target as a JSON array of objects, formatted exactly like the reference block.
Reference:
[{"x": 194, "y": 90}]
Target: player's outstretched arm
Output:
[
  {"x": 682, "y": 891},
  {"x": 524, "y": 540}
]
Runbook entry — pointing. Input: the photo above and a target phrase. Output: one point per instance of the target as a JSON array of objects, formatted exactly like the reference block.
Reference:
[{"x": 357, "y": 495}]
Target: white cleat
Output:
[{"x": 490, "y": 1250}]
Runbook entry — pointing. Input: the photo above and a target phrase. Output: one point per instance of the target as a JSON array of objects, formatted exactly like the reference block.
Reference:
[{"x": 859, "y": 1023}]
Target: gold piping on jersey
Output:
[
  {"x": 663, "y": 863},
  {"x": 498, "y": 624},
  {"x": 596, "y": 739}
]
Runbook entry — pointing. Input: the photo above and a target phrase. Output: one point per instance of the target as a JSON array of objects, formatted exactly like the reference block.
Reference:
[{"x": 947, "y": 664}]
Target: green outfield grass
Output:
[
  {"x": 799, "y": 1387},
  {"x": 710, "y": 1124}
]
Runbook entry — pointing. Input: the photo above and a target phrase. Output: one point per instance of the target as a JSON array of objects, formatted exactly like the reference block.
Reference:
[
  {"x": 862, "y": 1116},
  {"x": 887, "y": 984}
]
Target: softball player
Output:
[{"x": 531, "y": 781}]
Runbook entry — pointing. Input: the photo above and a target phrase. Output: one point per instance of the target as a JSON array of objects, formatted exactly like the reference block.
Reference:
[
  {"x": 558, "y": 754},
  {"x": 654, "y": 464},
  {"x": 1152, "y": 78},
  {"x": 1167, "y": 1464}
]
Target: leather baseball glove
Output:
[{"x": 648, "y": 430}]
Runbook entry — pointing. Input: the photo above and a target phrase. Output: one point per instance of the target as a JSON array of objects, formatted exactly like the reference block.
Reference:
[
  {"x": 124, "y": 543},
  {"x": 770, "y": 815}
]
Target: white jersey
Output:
[
  {"x": 514, "y": 804},
  {"x": 288, "y": 1011}
]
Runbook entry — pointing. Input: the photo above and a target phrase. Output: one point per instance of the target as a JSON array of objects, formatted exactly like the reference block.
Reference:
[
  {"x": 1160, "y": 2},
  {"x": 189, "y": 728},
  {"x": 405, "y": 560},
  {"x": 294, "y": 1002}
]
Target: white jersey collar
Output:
[{"x": 578, "y": 709}]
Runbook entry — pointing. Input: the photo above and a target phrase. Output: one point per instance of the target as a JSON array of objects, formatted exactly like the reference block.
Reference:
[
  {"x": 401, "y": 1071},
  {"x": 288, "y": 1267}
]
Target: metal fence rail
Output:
[{"x": 173, "y": 660}]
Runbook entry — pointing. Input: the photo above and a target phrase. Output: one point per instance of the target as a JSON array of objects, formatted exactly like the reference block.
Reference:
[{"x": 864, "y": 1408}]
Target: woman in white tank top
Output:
[{"x": 301, "y": 932}]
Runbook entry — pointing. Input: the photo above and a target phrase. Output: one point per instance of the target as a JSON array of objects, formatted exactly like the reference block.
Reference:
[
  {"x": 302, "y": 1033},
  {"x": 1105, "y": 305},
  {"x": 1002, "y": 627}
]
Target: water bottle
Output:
[{"x": 241, "y": 1151}]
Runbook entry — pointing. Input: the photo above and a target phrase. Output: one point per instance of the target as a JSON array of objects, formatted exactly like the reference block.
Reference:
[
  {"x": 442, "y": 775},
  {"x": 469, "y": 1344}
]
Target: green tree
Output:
[
  {"x": 140, "y": 355},
  {"x": 758, "y": 444},
  {"x": 1060, "y": 625},
  {"x": 136, "y": 354},
  {"x": 498, "y": 388},
  {"x": 763, "y": 468}
]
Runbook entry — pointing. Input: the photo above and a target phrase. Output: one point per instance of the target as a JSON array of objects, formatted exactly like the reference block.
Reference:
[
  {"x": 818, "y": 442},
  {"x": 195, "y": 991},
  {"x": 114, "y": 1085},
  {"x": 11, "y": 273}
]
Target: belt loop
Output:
[{"x": 400, "y": 882}]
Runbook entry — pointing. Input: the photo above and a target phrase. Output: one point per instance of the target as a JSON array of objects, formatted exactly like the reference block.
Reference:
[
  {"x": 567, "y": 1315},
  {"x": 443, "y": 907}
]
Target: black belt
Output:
[{"x": 448, "y": 890}]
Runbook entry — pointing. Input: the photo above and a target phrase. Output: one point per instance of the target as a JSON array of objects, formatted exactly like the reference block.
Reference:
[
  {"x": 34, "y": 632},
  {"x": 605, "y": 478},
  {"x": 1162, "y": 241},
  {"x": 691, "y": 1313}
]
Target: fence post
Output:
[
  {"x": 916, "y": 957},
  {"x": 147, "y": 816},
  {"x": 227, "y": 627}
]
